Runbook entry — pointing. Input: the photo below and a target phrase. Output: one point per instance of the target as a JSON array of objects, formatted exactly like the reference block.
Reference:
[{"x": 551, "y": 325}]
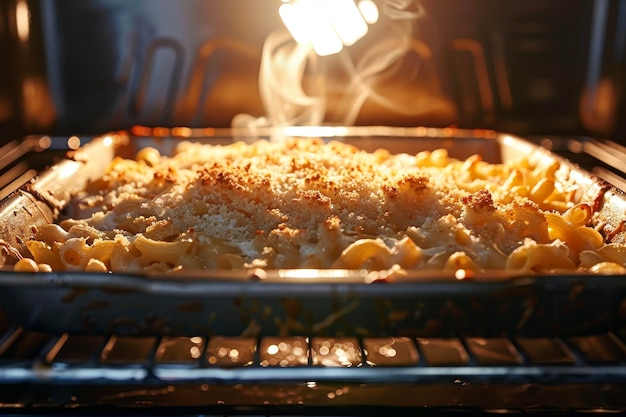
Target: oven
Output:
[{"x": 461, "y": 71}]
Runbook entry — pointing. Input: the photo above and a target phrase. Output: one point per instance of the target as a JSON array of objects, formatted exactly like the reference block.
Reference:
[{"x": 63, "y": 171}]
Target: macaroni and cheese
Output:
[{"x": 306, "y": 203}]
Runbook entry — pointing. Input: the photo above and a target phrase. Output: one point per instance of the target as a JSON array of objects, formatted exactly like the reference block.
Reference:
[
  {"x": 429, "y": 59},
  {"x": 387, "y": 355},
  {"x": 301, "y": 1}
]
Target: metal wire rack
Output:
[{"x": 238, "y": 374}]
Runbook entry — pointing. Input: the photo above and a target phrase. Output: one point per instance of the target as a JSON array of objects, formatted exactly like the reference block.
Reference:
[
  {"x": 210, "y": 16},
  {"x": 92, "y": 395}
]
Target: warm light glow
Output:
[
  {"x": 22, "y": 20},
  {"x": 107, "y": 140},
  {"x": 369, "y": 11},
  {"x": 307, "y": 23},
  {"x": 387, "y": 351},
  {"x": 315, "y": 131},
  {"x": 327, "y": 25},
  {"x": 67, "y": 170},
  {"x": 346, "y": 19},
  {"x": 294, "y": 84},
  {"x": 73, "y": 142},
  {"x": 462, "y": 274},
  {"x": 194, "y": 351},
  {"x": 289, "y": 14},
  {"x": 181, "y": 132},
  {"x": 44, "y": 142}
]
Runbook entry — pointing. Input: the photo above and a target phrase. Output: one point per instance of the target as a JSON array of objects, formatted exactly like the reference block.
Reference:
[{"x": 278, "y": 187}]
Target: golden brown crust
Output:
[{"x": 301, "y": 202}]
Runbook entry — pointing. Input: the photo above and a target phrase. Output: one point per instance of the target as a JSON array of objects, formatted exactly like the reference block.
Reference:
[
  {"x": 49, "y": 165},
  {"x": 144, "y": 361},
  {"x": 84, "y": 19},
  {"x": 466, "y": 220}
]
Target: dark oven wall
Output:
[{"x": 527, "y": 67}]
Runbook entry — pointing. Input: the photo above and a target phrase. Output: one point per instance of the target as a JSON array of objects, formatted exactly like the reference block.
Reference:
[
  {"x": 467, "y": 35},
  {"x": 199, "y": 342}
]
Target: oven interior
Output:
[
  {"x": 527, "y": 68},
  {"x": 74, "y": 69}
]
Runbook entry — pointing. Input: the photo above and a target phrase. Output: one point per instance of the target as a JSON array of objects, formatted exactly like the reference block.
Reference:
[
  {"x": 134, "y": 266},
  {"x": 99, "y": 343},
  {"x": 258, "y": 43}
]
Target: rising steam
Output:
[{"x": 293, "y": 79}]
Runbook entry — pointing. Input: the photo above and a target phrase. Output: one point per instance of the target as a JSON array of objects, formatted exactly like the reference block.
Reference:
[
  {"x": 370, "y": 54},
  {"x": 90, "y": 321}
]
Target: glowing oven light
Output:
[
  {"x": 328, "y": 25},
  {"x": 22, "y": 20},
  {"x": 308, "y": 24},
  {"x": 369, "y": 10},
  {"x": 346, "y": 19}
]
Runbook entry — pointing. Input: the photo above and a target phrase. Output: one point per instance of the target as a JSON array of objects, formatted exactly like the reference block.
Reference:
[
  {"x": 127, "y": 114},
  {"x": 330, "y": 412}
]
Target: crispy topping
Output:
[
  {"x": 301, "y": 202},
  {"x": 480, "y": 200}
]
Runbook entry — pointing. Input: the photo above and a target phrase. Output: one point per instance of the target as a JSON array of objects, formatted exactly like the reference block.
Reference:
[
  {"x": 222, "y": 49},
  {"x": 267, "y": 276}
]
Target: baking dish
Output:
[{"x": 307, "y": 302}]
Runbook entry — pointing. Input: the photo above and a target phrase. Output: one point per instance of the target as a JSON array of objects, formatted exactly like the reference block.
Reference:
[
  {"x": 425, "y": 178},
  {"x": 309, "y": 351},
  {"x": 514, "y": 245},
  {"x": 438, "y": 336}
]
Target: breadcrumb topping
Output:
[{"x": 280, "y": 202}]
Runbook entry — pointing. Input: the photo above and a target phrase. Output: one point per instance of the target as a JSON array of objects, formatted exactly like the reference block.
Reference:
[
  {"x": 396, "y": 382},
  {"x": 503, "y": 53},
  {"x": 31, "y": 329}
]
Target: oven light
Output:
[
  {"x": 346, "y": 19},
  {"x": 328, "y": 25},
  {"x": 308, "y": 24},
  {"x": 22, "y": 20},
  {"x": 369, "y": 11}
]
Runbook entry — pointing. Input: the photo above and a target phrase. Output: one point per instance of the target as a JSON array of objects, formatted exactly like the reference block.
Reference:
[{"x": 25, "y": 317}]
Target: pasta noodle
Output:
[{"x": 306, "y": 203}]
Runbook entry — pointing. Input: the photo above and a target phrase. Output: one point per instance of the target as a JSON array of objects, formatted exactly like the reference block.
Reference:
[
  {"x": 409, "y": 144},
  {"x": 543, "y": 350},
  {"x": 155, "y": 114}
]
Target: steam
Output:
[
  {"x": 283, "y": 66},
  {"x": 293, "y": 80},
  {"x": 378, "y": 62}
]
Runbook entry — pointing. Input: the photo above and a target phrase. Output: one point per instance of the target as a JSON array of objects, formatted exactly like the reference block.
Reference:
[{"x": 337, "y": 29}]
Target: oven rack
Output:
[{"x": 61, "y": 371}]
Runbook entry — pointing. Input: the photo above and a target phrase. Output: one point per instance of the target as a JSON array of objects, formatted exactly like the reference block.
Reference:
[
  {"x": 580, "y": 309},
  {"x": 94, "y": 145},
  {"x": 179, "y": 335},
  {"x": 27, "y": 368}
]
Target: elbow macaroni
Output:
[{"x": 307, "y": 203}]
